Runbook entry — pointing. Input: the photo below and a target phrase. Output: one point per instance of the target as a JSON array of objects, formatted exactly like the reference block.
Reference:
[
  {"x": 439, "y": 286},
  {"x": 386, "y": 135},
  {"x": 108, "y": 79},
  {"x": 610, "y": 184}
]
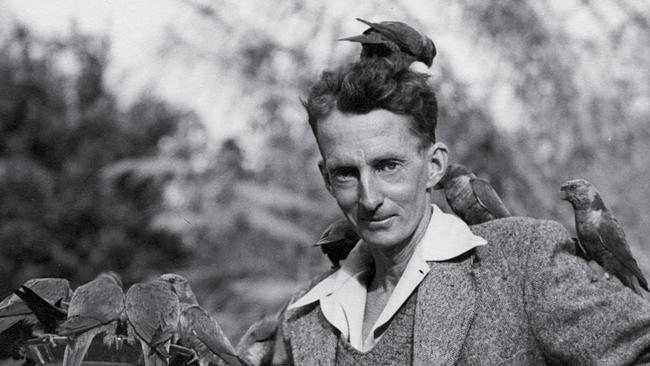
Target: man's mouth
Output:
[{"x": 376, "y": 222}]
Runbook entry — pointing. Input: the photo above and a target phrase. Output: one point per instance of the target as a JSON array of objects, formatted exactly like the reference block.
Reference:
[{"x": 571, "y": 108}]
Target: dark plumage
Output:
[
  {"x": 471, "y": 198},
  {"x": 600, "y": 235},
  {"x": 48, "y": 315},
  {"x": 337, "y": 241},
  {"x": 18, "y": 323},
  {"x": 395, "y": 41}
]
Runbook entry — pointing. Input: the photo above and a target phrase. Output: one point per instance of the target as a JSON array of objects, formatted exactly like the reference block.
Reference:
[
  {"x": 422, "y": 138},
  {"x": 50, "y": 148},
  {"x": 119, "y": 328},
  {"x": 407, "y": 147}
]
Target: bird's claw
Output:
[
  {"x": 195, "y": 358},
  {"x": 51, "y": 339},
  {"x": 117, "y": 341}
]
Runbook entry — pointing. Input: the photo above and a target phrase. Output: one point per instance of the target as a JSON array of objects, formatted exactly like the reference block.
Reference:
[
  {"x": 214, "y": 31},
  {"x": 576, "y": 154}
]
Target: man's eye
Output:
[
  {"x": 388, "y": 166},
  {"x": 343, "y": 174}
]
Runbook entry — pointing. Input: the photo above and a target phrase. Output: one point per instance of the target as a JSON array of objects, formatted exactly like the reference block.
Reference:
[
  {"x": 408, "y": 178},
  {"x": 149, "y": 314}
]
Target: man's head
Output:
[
  {"x": 372, "y": 84},
  {"x": 376, "y": 133}
]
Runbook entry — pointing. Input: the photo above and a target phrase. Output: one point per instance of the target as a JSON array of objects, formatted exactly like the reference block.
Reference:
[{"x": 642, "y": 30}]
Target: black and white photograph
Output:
[{"x": 253, "y": 183}]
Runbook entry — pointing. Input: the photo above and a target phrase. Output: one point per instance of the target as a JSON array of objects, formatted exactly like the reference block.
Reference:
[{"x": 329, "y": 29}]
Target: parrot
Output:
[
  {"x": 471, "y": 198},
  {"x": 600, "y": 235},
  {"x": 18, "y": 323},
  {"x": 197, "y": 330},
  {"x": 396, "y": 41},
  {"x": 256, "y": 346},
  {"x": 153, "y": 312},
  {"x": 95, "y": 308},
  {"x": 337, "y": 241}
]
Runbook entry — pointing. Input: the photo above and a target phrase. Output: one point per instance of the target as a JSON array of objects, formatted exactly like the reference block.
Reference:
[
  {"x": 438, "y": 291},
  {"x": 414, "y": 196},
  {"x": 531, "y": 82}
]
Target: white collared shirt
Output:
[{"x": 342, "y": 295}]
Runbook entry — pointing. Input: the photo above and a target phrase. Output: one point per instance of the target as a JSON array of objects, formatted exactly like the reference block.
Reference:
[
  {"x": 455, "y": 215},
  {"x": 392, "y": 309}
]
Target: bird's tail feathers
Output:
[
  {"x": 75, "y": 352},
  {"x": 45, "y": 312},
  {"x": 152, "y": 357}
]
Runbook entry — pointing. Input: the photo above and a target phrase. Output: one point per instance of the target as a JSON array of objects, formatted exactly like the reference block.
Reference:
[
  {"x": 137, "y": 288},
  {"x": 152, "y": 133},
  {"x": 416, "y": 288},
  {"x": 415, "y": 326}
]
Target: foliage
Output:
[{"x": 75, "y": 197}]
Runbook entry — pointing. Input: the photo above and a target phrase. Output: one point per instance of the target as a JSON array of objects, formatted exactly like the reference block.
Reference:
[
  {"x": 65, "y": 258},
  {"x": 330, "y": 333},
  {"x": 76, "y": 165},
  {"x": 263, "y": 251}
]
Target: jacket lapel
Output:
[
  {"x": 313, "y": 339},
  {"x": 445, "y": 309}
]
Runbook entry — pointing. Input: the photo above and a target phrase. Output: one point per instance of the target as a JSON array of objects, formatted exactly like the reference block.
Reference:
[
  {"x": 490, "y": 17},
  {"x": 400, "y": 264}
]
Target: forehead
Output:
[{"x": 379, "y": 132}]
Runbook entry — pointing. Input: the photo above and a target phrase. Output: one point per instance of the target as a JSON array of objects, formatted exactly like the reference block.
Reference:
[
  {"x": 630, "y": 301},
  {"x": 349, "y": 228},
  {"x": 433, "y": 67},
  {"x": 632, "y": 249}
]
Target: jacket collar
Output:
[{"x": 445, "y": 238}]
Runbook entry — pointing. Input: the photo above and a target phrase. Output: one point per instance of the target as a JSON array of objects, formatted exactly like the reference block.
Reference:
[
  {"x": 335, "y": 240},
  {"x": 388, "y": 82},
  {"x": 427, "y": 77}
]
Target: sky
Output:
[{"x": 136, "y": 30}]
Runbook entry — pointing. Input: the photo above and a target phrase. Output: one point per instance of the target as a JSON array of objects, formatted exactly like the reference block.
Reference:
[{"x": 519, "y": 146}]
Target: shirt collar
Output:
[{"x": 446, "y": 237}]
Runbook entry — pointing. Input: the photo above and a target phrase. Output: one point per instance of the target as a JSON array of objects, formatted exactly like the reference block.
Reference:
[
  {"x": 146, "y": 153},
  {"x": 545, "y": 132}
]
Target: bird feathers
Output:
[
  {"x": 47, "y": 314},
  {"x": 600, "y": 234},
  {"x": 488, "y": 198},
  {"x": 153, "y": 311},
  {"x": 396, "y": 41}
]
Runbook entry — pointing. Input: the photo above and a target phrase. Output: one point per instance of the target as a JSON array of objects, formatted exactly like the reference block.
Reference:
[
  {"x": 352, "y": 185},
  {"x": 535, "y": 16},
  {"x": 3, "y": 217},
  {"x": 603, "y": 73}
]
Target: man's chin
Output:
[{"x": 380, "y": 239}]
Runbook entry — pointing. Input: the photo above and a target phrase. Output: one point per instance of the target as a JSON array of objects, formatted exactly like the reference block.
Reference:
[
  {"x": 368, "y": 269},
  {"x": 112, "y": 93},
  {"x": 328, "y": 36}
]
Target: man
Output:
[{"x": 421, "y": 287}]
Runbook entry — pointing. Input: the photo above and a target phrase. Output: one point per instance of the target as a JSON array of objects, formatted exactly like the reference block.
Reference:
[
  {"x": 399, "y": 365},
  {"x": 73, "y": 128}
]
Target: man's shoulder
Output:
[
  {"x": 518, "y": 228},
  {"x": 521, "y": 235},
  {"x": 302, "y": 291}
]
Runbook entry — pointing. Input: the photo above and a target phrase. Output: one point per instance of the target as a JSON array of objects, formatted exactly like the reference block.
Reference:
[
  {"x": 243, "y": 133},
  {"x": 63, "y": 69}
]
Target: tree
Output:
[{"x": 76, "y": 197}]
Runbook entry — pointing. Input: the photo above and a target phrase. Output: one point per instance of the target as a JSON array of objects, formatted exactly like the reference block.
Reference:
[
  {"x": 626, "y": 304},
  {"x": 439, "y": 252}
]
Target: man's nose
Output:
[{"x": 370, "y": 196}]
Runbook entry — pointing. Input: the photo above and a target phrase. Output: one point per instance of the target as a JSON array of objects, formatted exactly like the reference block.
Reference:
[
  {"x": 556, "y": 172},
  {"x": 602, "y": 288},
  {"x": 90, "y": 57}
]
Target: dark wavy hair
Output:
[{"x": 371, "y": 84}]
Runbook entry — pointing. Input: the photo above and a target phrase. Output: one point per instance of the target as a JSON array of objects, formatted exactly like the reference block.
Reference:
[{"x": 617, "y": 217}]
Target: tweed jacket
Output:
[{"x": 522, "y": 299}]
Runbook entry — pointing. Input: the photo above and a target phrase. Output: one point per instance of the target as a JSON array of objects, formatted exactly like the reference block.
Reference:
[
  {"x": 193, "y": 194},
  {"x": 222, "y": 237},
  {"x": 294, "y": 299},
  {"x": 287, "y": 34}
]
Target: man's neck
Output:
[{"x": 389, "y": 264}]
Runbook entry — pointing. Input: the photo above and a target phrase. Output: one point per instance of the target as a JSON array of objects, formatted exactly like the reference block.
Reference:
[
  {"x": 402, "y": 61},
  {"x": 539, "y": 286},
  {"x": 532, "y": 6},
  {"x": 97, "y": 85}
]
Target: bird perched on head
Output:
[
  {"x": 600, "y": 235},
  {"x": 153, "y": 311},
  {"x": 397, "y": 42},
  {"x": 96, "y": 307},
  {"x": 337, "y": 241},
  {"x": 471, "y": 198},
  {"x": 197, "y": 330},
  {"x": 18, "y": 322}
]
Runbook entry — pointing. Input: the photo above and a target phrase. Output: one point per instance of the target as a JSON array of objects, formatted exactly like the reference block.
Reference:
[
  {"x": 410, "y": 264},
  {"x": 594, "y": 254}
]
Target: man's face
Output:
[{"x": 379, "y": 172}]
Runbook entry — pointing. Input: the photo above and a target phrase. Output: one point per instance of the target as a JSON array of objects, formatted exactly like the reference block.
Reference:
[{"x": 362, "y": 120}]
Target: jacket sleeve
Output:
[{"x": 576, "y": 317}]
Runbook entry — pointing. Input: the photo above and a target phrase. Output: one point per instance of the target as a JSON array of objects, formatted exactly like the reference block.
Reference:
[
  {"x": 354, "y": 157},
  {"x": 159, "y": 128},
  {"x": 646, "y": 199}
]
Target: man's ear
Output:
[
  {"x": 437, "y": 155},
  {"x": 325, "y": 175}
]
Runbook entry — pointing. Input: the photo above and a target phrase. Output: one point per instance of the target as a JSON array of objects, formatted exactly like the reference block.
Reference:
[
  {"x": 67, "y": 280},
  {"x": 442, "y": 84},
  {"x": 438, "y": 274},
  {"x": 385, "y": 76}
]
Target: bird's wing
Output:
[
  {"x": 398, "y": 33},
  {"x": 208, "y": 331},
  {"x": 580, "y": 249},
  {"x": 612, "y": 237},
  {"x": 78, "y": 324},
  {"x": 488, "y": 198},
  {"x": 46, "y": 313},
  {"x": 99, "y": 300},
  {"x": 153, "y": 312},
  {"x": 15, "y": 309},
  {"x": 51, "y": 289}
]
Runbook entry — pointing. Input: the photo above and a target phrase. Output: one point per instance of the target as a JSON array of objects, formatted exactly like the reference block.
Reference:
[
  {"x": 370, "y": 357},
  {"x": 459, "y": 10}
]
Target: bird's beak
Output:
[
  {"x": 438, "y": 186},
  {"x": 563, "y": 194}
]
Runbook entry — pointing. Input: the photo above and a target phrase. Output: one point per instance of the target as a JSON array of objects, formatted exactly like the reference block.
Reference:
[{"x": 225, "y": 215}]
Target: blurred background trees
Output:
[
  {"x": 531, "y": 93},
  {"x": 75, "y": 195}
]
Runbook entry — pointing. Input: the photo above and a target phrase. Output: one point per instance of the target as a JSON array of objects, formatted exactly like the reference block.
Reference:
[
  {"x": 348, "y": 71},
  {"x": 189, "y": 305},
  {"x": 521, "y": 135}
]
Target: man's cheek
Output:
[{"x": 345, "y": 195}]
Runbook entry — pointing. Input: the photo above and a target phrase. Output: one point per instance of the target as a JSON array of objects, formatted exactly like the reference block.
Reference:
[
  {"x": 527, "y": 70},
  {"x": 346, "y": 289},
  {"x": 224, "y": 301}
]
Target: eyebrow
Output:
[{"x": 334, "y": 164}]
